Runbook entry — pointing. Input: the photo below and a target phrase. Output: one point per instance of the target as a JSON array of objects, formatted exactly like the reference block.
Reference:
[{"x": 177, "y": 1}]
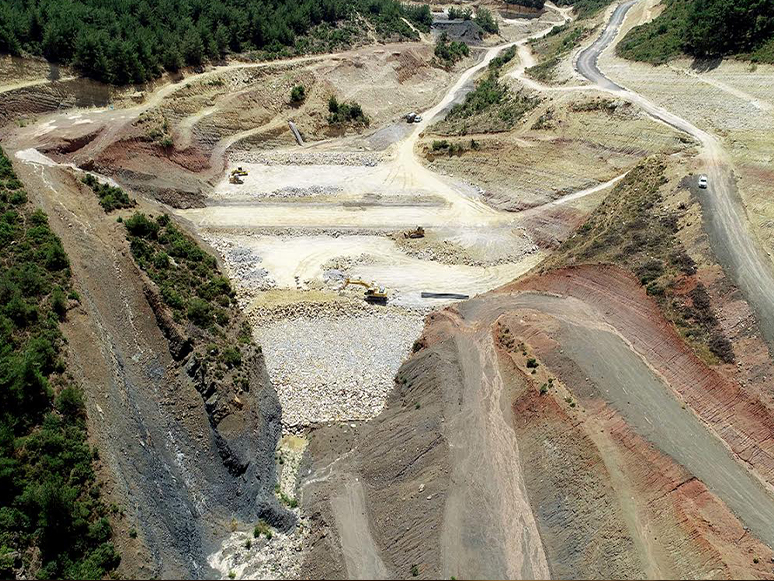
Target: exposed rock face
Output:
[{"x": 181, "y": 468}]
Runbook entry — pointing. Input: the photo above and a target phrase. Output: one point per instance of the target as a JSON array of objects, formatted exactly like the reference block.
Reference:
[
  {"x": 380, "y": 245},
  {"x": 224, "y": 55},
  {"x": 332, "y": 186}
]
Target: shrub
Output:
[
  {"x": 449, "y": 52},
  {"x": 298, "y": 94},
  {"x": 486, "y": 21},
  {"x": 460, "y": 13},
  {"x": 139, "y": 225},
  {"x": 341, "y": 113},
  {"x": 110, "y": 197},
  {"x": 49, "y": 505},
  {"x": 232, "y": 357},
  {"x": 532, "y": 363},
  {"x": 199, "y": 312},
  {"x": 262, "y": 528},
  {"x": 59, "y": 302}
]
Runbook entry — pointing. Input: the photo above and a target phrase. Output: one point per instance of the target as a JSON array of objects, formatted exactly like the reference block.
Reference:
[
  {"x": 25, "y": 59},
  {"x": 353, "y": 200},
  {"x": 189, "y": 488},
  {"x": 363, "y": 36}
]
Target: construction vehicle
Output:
[
  {"x": 239, "y": 171},
  {"x": 235, "y": 179},
  {"x": 373, "y": 293},
  {"x": 418, "y": 232}
]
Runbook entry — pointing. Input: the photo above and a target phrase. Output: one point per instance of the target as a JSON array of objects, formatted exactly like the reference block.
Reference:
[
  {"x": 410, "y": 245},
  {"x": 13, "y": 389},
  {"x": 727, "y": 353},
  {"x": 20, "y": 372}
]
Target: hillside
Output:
[
  {"x": 132, "y": 42},
  {"x": 704, "y": 29},
  {"x": 53, "y": 522}
]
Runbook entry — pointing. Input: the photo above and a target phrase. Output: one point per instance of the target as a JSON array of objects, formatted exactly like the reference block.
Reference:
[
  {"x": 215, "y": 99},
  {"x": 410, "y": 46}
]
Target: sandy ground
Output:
[{"x": 304, "y": 209}]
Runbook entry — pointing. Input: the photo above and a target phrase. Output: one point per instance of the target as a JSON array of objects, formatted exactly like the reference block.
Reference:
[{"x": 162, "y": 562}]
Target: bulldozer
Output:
[
  {"x": 417, "y": 232},
  {"x": 373, "y": 293}
]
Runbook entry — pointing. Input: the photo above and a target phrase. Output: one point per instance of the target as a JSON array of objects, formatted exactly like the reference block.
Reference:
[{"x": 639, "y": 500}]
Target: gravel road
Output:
[{"x": 736, "y": 248}]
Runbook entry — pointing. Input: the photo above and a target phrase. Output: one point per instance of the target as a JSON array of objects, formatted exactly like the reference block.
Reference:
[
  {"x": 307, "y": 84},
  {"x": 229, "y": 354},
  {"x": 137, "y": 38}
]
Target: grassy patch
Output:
[
  {"x": 489, "y": 108},
  {"x": 110, "y": 198},
  {"x": 50, "y": 503},
  {"x": 553, "y": 47},
  {"x": 633, "y": 229},
  {"x": 262, "y": 528}
]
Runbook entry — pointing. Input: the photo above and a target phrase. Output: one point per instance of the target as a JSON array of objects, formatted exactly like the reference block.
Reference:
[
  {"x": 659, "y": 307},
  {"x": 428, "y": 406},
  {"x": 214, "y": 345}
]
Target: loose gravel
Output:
[
  {"x": 329, "y": 368},
  {"x": 308, "y": 158}
]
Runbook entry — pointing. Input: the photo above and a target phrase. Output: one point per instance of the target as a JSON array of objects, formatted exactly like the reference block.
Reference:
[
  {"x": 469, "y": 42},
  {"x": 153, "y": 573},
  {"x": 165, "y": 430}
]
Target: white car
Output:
[{"x": 703, "y": 182}]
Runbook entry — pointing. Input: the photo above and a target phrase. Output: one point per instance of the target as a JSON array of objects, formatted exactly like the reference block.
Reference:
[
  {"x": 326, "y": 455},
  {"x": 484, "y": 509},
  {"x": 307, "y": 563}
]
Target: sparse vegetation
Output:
[
  {"x": 536, "y": 4},
  {"x": 553, "y": 47},
  {"x": 52, "y": 521},
  {"x": 110, "y": 197},
  {"x": 704, "y": 28},
  {"x": 262, "y": 528},
  {"x": 343, "y": 113},
  {"x": 633, "y": 228},
  {"x": 584, "y": 8},
  {"x": 188, "y": 278},
  {"x": 489, "y": 108},
  {"x": 448, "y": 53},
  {"x": 414, "y": 570}
]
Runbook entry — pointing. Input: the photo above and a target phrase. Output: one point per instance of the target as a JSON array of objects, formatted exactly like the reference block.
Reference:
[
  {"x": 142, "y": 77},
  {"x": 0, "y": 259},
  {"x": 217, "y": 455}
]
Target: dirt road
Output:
[
  {"x": 623, "y": 378},
  {"x": 736, "y": 248}
]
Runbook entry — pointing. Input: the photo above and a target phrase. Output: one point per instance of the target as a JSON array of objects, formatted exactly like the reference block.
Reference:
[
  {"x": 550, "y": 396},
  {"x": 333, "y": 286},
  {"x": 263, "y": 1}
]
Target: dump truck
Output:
[{"x": 373, "y": 293}]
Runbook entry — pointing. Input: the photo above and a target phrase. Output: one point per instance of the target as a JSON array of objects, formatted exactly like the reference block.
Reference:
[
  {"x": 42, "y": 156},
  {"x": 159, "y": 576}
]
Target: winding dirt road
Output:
[{"x": 736, "y": 248}]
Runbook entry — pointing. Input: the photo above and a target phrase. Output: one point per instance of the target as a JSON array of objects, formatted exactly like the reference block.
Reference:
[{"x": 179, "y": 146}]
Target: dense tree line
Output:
[
  {"x": 584, "y": 8},
  {"x": 49, "y": 500},
  {"x": 123, "y": 41},
  {"x": 538, "y": 4},
  {"x": 705, "y": 28}
]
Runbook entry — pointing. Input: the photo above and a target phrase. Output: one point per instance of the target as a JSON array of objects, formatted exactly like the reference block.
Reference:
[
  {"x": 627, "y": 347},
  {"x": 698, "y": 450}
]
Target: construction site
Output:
[{"x": 481, "y": 348}]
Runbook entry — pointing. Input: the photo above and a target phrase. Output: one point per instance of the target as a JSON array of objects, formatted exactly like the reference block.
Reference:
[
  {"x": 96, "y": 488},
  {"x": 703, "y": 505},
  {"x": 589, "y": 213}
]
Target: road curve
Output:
[
  {"x": 735, "y": 247},
  {"x": 587, "y": 59}
]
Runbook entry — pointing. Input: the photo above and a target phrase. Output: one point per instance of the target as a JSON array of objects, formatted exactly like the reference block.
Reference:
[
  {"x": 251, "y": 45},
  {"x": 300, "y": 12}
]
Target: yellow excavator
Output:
[
  {"x": 373, "y": 293},
  {"x": 237, "y": 175}
]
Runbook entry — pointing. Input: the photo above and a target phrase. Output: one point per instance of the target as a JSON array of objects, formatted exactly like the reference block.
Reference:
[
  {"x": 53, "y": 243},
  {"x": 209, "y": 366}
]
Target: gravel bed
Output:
[
  {"x": 308, "y": 158},
  {"x": 277, "y": 558},
  {"x": 334, "y": 368},
  {"x": 243, "y": 265}
]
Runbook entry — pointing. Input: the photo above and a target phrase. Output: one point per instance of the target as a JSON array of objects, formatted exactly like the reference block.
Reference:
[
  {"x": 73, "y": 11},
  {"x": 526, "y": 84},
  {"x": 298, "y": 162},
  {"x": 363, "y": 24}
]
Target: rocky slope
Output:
[{"x": 180, "y": 467}]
